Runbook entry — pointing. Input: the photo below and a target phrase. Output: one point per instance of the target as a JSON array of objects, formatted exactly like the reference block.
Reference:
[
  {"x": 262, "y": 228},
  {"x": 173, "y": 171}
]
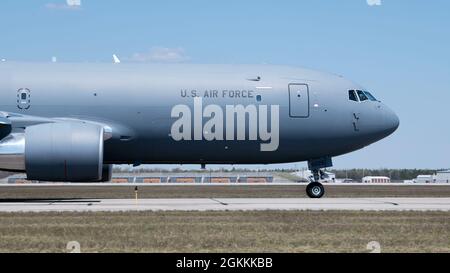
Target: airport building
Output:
[
  {"x": 424, "y": 179},
  {"x": 200, "y": 178},
  {"x": 443, "y": 176},
  {"x": 376, "y": 179},
  {"x": 174, "y": 178},
  {"x": 439, "y": 177}
]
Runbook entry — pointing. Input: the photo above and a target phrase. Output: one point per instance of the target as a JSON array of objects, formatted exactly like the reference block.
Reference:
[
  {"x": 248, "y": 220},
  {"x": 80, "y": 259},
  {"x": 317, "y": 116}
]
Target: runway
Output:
[{"x": 223, "y": 204}]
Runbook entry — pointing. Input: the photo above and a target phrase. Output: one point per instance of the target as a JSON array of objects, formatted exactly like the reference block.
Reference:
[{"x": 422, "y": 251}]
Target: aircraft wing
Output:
[{"x": 17, "y": 123}]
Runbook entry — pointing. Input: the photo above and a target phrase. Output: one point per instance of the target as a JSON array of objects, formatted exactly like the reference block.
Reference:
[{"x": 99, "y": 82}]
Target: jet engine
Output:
[{"x": 63, "y": 151}]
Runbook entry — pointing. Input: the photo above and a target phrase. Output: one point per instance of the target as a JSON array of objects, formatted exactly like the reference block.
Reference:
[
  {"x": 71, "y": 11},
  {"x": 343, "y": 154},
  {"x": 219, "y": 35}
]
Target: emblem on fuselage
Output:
[
  {"x": 213, "y": 123},
  {"x": 24, "y": 98}
]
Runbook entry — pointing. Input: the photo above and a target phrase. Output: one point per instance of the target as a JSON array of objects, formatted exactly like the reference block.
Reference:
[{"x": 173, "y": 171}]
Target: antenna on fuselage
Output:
[{"x": 116, "y": 59}]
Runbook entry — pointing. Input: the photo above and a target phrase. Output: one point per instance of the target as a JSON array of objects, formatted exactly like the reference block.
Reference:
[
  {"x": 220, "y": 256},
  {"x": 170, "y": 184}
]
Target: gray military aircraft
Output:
[{"x": 71, "y": 122}]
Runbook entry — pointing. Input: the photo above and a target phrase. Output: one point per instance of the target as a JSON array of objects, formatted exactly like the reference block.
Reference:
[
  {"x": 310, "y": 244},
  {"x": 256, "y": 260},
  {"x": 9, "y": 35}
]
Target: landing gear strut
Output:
[{"x": 315, "y": 189}]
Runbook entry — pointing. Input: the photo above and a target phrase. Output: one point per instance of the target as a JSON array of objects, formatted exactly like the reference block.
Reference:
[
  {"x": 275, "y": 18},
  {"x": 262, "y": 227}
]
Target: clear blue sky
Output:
[{"x": 400, "y": 50}]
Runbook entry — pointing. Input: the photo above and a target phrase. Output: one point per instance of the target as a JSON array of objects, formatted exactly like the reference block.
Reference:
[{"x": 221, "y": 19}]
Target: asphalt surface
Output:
[{"x": 223, "y": 204}]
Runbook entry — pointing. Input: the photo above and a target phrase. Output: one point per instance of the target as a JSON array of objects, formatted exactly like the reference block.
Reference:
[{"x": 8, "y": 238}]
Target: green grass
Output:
[{"x": 254, "y": 231}]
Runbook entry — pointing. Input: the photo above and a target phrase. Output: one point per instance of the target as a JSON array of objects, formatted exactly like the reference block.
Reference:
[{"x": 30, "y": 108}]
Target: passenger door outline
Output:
[{"x": 299, "y": 100}]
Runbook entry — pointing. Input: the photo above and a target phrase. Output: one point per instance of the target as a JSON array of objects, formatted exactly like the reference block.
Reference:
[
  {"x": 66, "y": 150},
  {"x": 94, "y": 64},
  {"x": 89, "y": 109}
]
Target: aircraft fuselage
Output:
[{"x": 206, "y": 114}]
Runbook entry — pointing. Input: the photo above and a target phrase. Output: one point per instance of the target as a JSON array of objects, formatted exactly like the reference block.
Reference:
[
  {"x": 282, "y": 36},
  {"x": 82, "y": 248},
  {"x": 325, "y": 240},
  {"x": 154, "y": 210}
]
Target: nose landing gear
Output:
[{"x": 315, "y": 189}]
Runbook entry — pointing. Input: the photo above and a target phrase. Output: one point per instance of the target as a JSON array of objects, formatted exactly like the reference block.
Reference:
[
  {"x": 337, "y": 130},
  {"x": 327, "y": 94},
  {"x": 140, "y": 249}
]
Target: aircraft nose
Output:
[{"x": 392, "y": 122}]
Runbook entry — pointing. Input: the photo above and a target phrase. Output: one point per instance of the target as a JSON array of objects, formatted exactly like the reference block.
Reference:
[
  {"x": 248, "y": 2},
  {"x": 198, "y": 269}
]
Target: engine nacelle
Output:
[
  {"x": 66, "y": 151},
  {"x": 107, "y": 173}
]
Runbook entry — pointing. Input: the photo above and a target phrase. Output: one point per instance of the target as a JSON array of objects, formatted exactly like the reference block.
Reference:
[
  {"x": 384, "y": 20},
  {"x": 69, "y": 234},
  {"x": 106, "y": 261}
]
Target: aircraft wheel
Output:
[{"x": 315, "y": 190}]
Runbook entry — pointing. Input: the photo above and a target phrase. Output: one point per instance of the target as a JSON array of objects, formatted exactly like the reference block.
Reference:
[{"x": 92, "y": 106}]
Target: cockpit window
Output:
[
  {"x": 361, "y": 95},
  {"x": 370, "y": 96},
  {"x": 352, "y": 95}
]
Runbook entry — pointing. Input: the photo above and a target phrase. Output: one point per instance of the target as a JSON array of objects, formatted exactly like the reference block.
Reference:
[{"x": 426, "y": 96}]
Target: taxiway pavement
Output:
[{"x": 222, "y": 204}]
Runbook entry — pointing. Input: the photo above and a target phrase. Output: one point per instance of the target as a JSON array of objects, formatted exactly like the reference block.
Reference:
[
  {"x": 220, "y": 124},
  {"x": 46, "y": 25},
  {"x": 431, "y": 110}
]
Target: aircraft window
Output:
[
  {"x": 352, "y": 95},
  {"x": 370, "y": 96},
  {"x": 361, "y": 95}
]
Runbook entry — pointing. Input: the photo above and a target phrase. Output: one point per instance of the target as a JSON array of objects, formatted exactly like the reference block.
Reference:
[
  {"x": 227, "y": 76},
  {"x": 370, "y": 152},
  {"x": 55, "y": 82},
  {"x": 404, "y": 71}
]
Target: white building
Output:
[
  {"x": 439, "y": 177},
  {"x": 376, "y": 179},
  {"x": 443, "y": 176},
  {"x": 425, "y": 179}
]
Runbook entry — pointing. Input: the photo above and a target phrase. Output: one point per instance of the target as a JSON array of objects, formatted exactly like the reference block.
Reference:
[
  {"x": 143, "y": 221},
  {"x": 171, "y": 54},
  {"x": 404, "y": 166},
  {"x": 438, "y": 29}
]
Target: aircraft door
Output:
[{"x": 298, "y": 100}]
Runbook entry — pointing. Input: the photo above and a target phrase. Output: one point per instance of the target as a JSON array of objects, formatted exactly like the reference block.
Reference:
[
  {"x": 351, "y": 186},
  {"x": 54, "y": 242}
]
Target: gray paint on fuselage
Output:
[{"x": 136, "y": 101}]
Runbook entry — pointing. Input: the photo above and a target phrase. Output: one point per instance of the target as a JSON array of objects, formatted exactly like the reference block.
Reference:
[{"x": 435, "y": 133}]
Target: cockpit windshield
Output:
[
  {"x": 352, "y": 95},
  {"x": 359, "y": 96},
  {"x": 362, "y": 96},
  {"x": 370, "y": 96}
]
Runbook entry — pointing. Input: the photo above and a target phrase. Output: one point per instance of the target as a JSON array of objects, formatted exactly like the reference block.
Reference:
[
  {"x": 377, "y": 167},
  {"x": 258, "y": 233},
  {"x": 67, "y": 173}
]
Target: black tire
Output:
[{"x": 315, "y": 190}]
